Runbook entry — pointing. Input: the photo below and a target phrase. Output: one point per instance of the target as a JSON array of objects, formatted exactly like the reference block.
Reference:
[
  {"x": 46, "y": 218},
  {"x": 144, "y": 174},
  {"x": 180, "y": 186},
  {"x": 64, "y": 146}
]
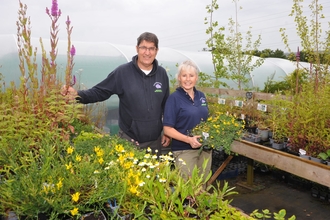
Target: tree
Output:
[
  {"x": 315, "y": 44},
  {"x": 240, "y": 59},
  {"x": 270, "y": 53},
  {"x": 217, "y": 44}
]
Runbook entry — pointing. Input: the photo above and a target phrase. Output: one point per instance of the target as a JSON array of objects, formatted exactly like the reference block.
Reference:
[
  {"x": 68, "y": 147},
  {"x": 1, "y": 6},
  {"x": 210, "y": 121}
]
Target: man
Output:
[{"x": 142, "y": 87}]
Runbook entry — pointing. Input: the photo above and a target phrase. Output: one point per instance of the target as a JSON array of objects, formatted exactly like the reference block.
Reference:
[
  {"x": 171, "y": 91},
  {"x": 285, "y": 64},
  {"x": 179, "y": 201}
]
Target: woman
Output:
[{"x": 184, "y": 109}]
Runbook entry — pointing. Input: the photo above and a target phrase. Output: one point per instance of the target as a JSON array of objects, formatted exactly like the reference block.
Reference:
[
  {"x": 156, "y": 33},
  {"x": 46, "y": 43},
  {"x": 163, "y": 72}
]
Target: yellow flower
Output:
[
  {"x": 99, "y": 152},
  {"x": 96, "y": 148},
  {"x": 74, "y": 211},
  {"x": 162, "y": 180},
  {"x": 120, "y": 148},
  {"x": 133, "y": 190},
  {"x": 78, "y": 158},
  {"x": 68, "y": 166},
  {"x": 59, "y": 185},
  {"x": 101, "y": 160},
  {"x": 127, "y": 165},
  {"x": 130, "y": 155},
  {"x": 75, "y": 196},
  {"x": 69, "y": 150},
  {"x": 121, "y": 159}
]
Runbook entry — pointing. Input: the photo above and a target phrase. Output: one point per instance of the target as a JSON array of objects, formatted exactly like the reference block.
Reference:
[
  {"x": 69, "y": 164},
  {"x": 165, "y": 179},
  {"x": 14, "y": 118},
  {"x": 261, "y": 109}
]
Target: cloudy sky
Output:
[{"x": 179, "y": 24}]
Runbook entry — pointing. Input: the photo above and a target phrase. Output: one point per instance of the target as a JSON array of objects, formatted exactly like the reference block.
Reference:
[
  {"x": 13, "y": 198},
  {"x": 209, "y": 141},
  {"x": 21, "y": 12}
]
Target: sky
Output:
[{"x": 179, "y": 24}]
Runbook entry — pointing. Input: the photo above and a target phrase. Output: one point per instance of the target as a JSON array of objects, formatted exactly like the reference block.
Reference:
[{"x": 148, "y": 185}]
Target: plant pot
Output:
[
  {"x": 264, "y": 134},
  {"x": 305, "y": 156},
  {"x": 11, "y": 216},
  {"x": 270, "y": 133},
  {"x": 316, "y": 159},
  {"x": 278, "y": 146},
  {"x": 252, "y": 138}
]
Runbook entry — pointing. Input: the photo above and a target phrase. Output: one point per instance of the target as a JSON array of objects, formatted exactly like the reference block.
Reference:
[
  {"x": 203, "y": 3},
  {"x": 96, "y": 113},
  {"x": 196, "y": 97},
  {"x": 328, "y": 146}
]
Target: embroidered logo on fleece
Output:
[
  {"x": 158, "y": 87},
  {"x": 203, "y": 101}
]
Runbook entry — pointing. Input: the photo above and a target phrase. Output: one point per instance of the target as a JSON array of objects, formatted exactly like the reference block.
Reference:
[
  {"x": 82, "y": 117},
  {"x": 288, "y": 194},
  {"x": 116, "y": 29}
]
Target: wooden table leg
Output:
[
  {"x": 249, "y": 172},
  {"x": 249, "y": 184},
  {"x": 219, "y": 170}
]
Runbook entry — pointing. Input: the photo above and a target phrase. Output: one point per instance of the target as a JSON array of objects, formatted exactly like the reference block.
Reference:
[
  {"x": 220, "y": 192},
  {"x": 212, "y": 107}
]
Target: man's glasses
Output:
[{"x": 144, "y": 49}]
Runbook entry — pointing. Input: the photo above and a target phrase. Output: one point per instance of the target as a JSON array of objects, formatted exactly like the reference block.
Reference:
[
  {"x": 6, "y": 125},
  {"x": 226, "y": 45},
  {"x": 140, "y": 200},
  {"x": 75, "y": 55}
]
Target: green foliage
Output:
[
  {"x": 308, "y": 120},
  {"x": 272, "y": 86},
  {"x": 266, "y": 214},
  {"x": 270, "y": 53},
  {"x": 325, "y": 155}
]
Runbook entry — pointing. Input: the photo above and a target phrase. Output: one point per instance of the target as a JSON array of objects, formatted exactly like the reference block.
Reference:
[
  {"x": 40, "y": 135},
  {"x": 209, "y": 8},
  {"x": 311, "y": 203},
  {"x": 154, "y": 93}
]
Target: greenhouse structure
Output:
[{"x": 95, "y": 60}]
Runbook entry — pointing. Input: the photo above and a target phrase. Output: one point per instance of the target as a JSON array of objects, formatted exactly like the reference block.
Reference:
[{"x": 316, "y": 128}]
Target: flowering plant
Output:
[{"x": 219, "y": 131}]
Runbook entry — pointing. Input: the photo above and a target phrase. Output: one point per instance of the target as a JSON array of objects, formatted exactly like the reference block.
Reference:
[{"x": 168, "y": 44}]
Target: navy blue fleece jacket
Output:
[{"x": 141, "y": 98}]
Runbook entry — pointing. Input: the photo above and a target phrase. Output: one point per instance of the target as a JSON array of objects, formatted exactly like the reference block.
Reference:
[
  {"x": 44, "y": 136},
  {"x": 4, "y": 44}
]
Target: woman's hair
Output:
[
  {"x": 188, "y": 64},
  {"x": 147, "y": 36}
]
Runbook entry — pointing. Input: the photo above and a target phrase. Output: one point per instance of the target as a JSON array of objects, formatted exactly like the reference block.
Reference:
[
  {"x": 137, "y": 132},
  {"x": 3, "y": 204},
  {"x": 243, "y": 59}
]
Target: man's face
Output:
[{"x": 147, "y": 52}]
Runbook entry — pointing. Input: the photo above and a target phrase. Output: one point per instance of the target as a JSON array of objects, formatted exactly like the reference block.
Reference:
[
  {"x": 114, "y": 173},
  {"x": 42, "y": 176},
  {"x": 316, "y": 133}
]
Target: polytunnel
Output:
[{"x": 95, "y": 60}]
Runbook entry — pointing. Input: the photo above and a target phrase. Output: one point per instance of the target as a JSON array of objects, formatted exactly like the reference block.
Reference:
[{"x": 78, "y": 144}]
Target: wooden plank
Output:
[
  {"x": 268, "y": 96},
  {"x": 257, "y": 96},
  {"x": 298, "y": 166},
  {"x": 209, "y": 90}
]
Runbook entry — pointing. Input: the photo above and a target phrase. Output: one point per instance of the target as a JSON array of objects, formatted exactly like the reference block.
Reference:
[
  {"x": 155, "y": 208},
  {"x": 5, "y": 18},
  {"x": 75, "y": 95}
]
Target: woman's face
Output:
[{"x": 188, "y": 78}]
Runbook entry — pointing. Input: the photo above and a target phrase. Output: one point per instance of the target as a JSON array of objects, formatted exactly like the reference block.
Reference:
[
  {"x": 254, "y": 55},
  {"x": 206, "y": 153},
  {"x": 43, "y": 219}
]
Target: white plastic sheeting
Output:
[{"x": 95, "y": 60}]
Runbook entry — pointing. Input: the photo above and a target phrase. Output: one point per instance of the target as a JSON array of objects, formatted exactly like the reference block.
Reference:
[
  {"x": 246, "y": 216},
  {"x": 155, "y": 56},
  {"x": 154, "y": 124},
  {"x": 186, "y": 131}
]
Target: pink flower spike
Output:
[
  {"x": 68, "y": 22},
  {"x": 47, "y": 11},
  {"x": 54, "y": 8},
  {"x": 73, "y": 51},
  {"x": 73, "y": 80}
]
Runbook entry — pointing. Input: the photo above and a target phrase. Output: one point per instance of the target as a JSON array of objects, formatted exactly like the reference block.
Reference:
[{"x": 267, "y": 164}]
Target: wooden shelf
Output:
[{"x": 313, "y": 171}]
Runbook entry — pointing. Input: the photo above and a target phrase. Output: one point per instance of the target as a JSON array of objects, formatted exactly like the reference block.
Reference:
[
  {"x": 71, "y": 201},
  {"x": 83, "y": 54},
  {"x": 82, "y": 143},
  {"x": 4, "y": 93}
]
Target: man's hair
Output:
[{"x": 147, "y": 36}]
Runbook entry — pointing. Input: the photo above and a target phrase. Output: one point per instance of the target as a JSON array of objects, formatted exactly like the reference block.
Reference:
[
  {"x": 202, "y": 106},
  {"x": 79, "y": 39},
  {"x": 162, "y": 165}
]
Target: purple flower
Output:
[
  {"x": 73, "y": 51},
  {"x": 55, "y": 8}
]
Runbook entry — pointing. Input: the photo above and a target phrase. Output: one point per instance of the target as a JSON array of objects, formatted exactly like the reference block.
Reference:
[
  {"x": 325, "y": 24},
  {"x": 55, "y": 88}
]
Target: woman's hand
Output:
[{"x": 193, "y": 141}]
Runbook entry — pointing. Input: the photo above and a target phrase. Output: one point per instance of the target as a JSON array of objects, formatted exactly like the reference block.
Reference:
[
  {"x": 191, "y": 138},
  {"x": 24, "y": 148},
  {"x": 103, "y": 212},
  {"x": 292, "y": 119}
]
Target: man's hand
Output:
[{"x": 69, "y": 92}]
